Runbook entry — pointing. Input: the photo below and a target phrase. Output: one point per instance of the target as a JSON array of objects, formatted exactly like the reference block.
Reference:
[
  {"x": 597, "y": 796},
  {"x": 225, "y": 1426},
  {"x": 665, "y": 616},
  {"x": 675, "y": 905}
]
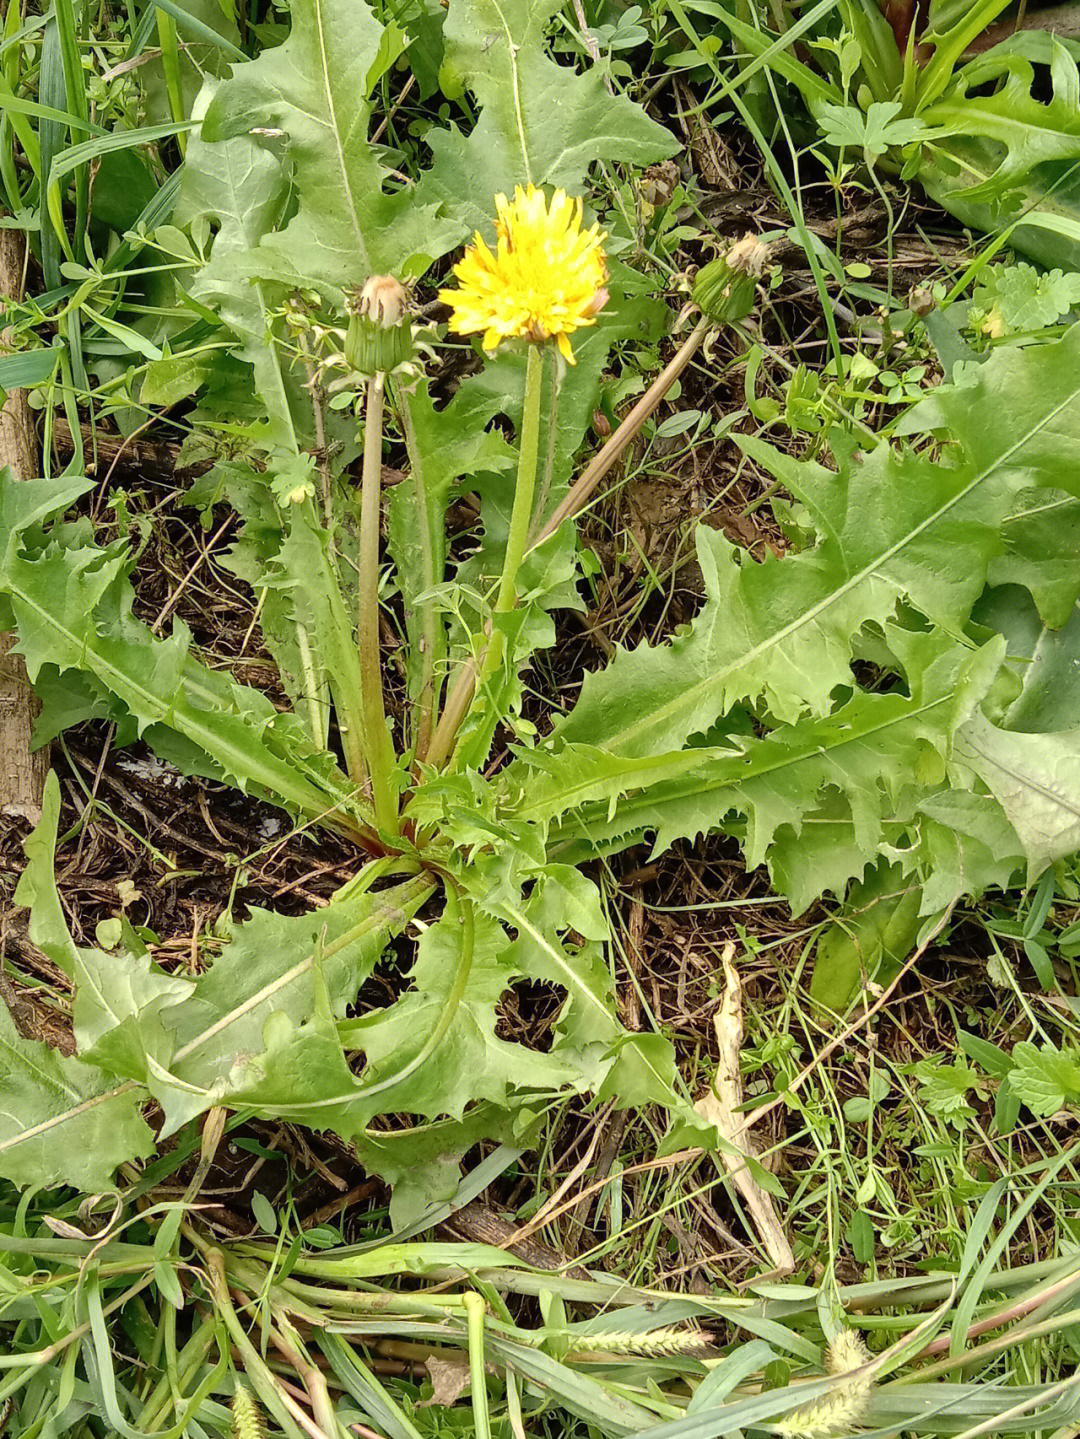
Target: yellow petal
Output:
[{"x": 544, "y": 278}]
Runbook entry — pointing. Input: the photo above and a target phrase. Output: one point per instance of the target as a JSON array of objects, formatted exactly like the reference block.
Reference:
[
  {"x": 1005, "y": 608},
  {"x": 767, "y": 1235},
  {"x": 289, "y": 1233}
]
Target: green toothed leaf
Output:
[
  {"x": 63, "y": 1121},
  {"x": 316, "y": 89},
  {"x": 893, "y": 527},
  {"x": 539, "y": 121},
  {"x": 847, "y": 780}
]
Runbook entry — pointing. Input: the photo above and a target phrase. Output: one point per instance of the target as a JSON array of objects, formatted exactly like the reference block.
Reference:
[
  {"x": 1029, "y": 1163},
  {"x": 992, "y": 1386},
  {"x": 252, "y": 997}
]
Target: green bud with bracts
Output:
[
  {"x": 724, "y": 289},
  {"x": 380, "y": 334}
]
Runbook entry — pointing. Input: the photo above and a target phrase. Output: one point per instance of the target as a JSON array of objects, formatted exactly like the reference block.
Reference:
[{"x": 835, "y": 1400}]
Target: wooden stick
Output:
[{"x": 22, "y": 773}]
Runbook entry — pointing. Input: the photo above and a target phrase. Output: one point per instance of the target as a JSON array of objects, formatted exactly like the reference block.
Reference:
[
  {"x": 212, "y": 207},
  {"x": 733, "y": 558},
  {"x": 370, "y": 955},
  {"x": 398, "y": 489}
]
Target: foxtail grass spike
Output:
[
  {"x": 846, "y": 1405},
  {"x": 657, "y": 1341},
  {"x": 247, "y": 1420}
]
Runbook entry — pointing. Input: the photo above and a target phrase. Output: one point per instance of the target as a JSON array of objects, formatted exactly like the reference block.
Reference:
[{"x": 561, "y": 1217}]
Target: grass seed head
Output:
[
  {"x": 247, "y": 1420},
  {"x": 845, "y": 1406}
]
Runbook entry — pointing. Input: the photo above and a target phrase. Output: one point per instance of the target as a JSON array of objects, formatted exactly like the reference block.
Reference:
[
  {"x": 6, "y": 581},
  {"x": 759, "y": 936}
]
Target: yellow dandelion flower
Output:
[{"x": 544, "y": 279}]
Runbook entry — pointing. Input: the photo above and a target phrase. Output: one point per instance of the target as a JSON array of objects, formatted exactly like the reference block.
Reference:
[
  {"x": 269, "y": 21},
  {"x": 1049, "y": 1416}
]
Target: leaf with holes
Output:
[{"x": 470, "y": 1062}]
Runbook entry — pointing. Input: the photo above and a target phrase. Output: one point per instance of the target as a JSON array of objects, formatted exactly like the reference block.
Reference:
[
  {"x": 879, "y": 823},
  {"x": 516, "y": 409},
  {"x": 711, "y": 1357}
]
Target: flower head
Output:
[
  {"x": 544, "y": 280},
  {"x": 724, "y": 289},
  {"x": 847, "y": 1351},
  {"x": 384, "y": 300},
  {"x": 844, "y": 1407},
  {"x": 380, "y": 337}
]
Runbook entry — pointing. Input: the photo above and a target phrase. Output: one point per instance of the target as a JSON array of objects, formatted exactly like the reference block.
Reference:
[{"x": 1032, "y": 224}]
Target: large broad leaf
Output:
[
  {"x": 119, "y": 996},
  {"x": 1050, "y": 698},
  {"x": 819, "y": 799},
  {"x": 258, "y": 1027},
  {"x": 1036, "y": 780},
  {"x": 539, "y": 121},
  {"x": 471, "y": 1062},
  {"x": 966, "y": 846},
  {"x": 244, "y": 190},
  {"x": 63, "y": 1121},
  {"x": 73, "y": 607},
  {"x": 922, "y": 528},
  {"x": 1044, "y": 661},
  {"x": 260, "y": 1017},
  {"x": 1026, "y": 132},
  {"x": 1040, "y": 553},
  {"x": 317, "y": 88},
  {"x": 301, "y": 1075},
  {"x": 1008, "y": 159}
]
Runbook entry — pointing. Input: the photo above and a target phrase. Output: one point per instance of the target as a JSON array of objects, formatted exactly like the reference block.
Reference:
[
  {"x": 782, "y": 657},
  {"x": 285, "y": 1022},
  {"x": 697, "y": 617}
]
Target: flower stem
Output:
[
  {"x": 464, "y": 687},
  {"x": 558, "y": 371},
  {"x": 380, "y": 753},
  {"x": 517, "y": 542},
  {"x": 315, "y": 697},
  {"x": 474, "y": 1310},
  {"x": 432, "y": 531},
  {"x": 520, "y": 516}
]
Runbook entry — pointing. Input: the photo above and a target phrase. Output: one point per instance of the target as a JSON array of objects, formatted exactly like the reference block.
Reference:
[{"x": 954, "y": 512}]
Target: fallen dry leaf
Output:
[
  {"x": 449, "y": 1380},
  {"x": 720, "y": 1106}
]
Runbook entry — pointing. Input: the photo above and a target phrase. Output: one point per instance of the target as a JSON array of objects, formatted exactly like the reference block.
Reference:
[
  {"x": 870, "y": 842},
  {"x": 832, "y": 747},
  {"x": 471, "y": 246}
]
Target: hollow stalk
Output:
[
  {"x": 474, "y": 1310},
  {"x": 517, "y": 542},
  {"x": 464, "y": 687},
  {"x": 380, "y": 753}
]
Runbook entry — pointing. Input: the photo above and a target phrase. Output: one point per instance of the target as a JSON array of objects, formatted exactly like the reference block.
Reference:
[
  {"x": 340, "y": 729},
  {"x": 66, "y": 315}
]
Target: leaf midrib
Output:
[
  {"x": 331, "y": 110},
  {"x": 563, "y": 799},
  {"x": 36, "y": 1130},
  {"x": 688, "y": 697},
  {"x": 208, "y": 739},
  {"x": 794, "y": 757},
  {"x": 1020, "y": 777}
]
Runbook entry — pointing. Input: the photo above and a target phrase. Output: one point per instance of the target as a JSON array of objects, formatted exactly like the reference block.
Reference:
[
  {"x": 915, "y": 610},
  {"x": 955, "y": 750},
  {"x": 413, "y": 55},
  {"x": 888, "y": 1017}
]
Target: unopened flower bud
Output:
[
  {"x": 380, "y": 336},
  {"x": 724, "y": 289},
  {"x": 384, "y": 300},
  {"x": 659, "y": 183}
]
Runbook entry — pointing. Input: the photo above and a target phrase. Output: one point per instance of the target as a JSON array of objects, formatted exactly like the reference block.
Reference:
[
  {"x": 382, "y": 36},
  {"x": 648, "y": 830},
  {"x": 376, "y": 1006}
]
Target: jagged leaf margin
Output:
[{"x": 916, "y": 527}]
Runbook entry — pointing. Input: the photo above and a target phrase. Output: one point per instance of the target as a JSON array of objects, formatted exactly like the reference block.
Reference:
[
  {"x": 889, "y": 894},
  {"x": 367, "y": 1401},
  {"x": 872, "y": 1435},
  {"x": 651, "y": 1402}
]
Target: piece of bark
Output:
[
  {"x": 481, "y": 1225},
  {"x": 721, "y": 1106},
  {"x": 103, "y": 450},
  {"x": 22, "y": 772}
]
